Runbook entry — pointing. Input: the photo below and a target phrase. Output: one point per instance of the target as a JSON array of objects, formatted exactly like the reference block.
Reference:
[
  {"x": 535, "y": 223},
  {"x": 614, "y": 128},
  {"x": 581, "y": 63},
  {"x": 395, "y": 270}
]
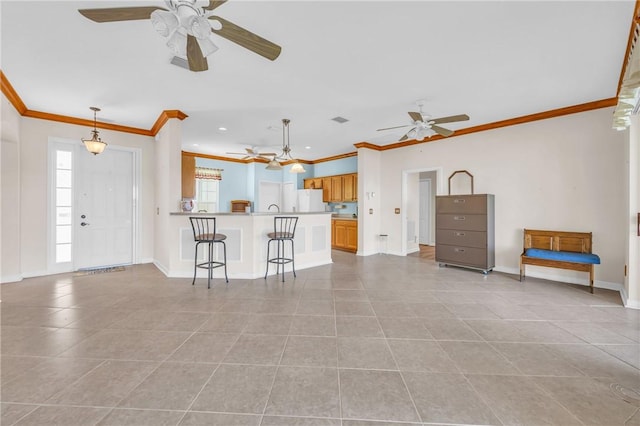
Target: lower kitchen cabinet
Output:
[{"x": 344, "y": 234}]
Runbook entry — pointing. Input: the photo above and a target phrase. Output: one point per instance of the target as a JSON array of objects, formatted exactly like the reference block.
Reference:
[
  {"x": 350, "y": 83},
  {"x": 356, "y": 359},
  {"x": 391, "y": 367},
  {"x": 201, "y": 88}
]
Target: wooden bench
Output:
[{"x": 558, "y": 249}]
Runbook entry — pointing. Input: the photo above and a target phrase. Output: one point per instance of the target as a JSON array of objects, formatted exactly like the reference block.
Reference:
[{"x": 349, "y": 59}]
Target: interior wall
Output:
[
  {"x": 336, "y": 167},
  {"x": 564, "y": 173},
  {"x": 413, "y": 212},
  {"x": 369, "y": 219},
  {"x": 10, "y": 196},
  {"x": 632, "y": 244},
  {"x": 34, "y": 137}
]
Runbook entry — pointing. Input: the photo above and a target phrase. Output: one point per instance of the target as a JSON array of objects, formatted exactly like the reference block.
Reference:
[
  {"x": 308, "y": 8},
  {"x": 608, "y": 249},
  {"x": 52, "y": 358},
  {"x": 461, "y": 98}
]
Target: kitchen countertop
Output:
[{"x": 343, "y": 217}]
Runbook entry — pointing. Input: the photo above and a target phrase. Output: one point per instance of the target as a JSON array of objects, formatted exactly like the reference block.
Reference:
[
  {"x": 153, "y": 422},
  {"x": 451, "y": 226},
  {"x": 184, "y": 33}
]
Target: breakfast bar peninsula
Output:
[{"x": 247, "y": 243}]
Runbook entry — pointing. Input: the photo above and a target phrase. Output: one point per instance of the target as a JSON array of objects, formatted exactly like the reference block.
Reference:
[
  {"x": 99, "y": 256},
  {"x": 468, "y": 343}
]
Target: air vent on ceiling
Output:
[{"x": 340, "y": 120}]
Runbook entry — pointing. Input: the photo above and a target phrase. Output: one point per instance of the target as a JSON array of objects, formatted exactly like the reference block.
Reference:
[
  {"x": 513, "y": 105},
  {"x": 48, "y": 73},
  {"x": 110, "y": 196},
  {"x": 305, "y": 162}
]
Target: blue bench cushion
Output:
[{"x": 565, "y": 256}]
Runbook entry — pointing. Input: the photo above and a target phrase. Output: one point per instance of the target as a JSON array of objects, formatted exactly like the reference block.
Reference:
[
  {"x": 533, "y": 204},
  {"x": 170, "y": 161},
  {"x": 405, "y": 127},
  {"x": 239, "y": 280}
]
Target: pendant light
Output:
[
  {"x": 286, "y": 152},
  {"x": 95, "y": 145}
]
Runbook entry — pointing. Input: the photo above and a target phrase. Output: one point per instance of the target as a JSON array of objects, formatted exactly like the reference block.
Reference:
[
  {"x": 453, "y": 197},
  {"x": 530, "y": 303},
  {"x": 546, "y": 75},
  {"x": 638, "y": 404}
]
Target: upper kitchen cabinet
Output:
[
  {"x": 326, "y": 189},
  {"x": 188, "y": 176},
  {"x": 313, "y": 183},
  {"x": 335, "y": 189},
  {"x": 350, "y": 187}
]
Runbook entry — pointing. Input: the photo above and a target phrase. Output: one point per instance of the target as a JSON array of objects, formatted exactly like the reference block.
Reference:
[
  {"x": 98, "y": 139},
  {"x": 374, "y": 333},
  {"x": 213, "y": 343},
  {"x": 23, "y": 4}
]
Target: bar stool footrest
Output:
[{"x": 210, "y": 265}]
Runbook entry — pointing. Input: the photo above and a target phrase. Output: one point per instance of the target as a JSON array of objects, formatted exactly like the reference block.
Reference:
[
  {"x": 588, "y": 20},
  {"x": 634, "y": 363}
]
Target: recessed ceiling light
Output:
[
  {"x": 196, "y": 144},
  {"x": 222, "y": 129},
  {"x": 307, "y": 147}
]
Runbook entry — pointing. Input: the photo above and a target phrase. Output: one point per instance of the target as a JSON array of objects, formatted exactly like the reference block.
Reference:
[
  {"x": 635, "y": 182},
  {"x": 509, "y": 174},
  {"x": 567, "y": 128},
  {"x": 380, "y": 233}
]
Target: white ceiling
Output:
[{"x": 367, "y": 61}]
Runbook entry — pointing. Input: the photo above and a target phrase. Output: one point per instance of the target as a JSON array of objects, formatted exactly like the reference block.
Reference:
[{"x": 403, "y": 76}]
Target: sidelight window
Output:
[{"x": 63, "y": 205}]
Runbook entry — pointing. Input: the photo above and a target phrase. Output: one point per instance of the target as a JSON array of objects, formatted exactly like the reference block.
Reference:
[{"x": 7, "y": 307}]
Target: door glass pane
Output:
[
  {"x": 63, "y": 234},
  {"x": 63, "y": 197},
  {"x": 63, "y": 160},
  {"x": 63, "y": 215},
  {"x": 63, "y": 178},
  {"x": 63, "y": 253}
]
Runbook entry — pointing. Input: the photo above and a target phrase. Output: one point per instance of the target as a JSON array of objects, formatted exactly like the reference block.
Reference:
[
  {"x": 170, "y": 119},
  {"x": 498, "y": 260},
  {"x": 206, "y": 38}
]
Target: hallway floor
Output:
[{"x": 378, "y": 340}]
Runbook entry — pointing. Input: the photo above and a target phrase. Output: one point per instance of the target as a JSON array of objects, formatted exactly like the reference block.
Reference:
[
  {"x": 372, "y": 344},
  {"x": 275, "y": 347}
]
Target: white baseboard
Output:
[
  {"x": 10, "y": 279},
  {"x": 562, "y": 278},
  {"x": 631, "y": 304},
  {"x": 162, "y": 268}
]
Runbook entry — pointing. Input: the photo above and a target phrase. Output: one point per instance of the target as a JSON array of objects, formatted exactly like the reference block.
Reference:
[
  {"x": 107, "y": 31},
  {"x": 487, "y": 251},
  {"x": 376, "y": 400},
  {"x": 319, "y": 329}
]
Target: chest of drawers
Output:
[{"x": 465, "y": 231}]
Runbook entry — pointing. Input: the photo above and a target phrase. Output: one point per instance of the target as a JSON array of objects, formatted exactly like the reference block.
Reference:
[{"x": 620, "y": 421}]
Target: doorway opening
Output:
[{"x": 419, "y": 189}]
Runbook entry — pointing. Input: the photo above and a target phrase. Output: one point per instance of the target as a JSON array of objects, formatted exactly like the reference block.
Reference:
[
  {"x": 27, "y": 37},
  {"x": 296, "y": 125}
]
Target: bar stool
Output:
[
  {"x": 204, "y": 232},
  {"x": 284, "y": 229}
]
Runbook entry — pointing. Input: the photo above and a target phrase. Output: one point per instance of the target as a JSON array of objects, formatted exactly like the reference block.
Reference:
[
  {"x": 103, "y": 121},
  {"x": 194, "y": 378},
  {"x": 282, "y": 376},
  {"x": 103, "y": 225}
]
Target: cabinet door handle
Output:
[
  {"x": 458, "y": 250},
  {"x": 459, "y": 200},
  {"x": 459, "y": 218},
  {"x": 459, "y": 234}
]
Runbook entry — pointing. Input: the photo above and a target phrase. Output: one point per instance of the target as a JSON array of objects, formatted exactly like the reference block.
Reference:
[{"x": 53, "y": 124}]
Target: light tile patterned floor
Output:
[{"x": 381, "y": 340}]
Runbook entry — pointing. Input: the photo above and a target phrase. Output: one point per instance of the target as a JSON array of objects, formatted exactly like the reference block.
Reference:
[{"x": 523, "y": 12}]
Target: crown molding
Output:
[
  {"x": 604, "y": 103},
  {"x": 164, "y": 117},
  {"x": 11, "y": 94},
  {"x": 634, "y": 34},
  {"x": 18, "y": 104},
  {"x": 332, "y": 158}
]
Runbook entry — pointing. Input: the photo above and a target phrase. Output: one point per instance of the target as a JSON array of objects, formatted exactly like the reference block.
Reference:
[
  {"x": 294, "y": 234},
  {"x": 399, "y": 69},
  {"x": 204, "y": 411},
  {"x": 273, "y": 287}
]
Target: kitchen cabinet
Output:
[
  {"x": 344, "y": 234},
  {"x": 336, "y": 189},
  {"x": 313, "y": 183},
  {"x": 326, "y": 189},
  {"x": 350, "y": 187},
  {"x": 188, "y": 176}
]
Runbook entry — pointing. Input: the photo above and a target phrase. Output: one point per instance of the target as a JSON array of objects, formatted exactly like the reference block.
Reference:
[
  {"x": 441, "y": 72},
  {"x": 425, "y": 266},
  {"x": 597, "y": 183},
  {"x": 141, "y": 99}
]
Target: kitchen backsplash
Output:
[{"x": 349, "y": 208}]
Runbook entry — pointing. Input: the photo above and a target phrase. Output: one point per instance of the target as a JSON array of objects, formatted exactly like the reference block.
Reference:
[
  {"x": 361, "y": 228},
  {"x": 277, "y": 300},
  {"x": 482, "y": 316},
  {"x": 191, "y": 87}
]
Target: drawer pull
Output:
[
  {"x": 458, "y": 250},
  {"x": 459, "y": 218},
  {"x": 459, "y": 234},
  {"x": 459, "y": 200}
]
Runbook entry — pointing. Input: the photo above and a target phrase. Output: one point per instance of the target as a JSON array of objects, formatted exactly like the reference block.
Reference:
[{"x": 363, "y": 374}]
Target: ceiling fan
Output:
[
  {"x": 253, "y": 153},
  {"x": 425, "y": 126},
  {"x": 189, "y": 25}
]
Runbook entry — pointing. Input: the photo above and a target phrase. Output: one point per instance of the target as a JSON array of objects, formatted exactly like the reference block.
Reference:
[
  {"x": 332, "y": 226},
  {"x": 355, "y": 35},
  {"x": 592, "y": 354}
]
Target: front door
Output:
[{"x": 104, "y": 196}]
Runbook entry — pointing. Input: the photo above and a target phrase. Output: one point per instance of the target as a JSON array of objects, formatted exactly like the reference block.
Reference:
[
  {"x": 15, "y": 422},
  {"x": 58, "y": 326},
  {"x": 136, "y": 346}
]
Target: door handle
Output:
[{"x": 84, "y": 223}]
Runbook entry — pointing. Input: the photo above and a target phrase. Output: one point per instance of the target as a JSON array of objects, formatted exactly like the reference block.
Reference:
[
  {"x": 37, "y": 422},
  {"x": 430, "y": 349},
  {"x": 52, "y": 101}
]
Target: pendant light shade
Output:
[
  {"x": 274, "y": 165},
  {"x": 95, "y": 145},
  {"x": 297, "y": 168}
]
